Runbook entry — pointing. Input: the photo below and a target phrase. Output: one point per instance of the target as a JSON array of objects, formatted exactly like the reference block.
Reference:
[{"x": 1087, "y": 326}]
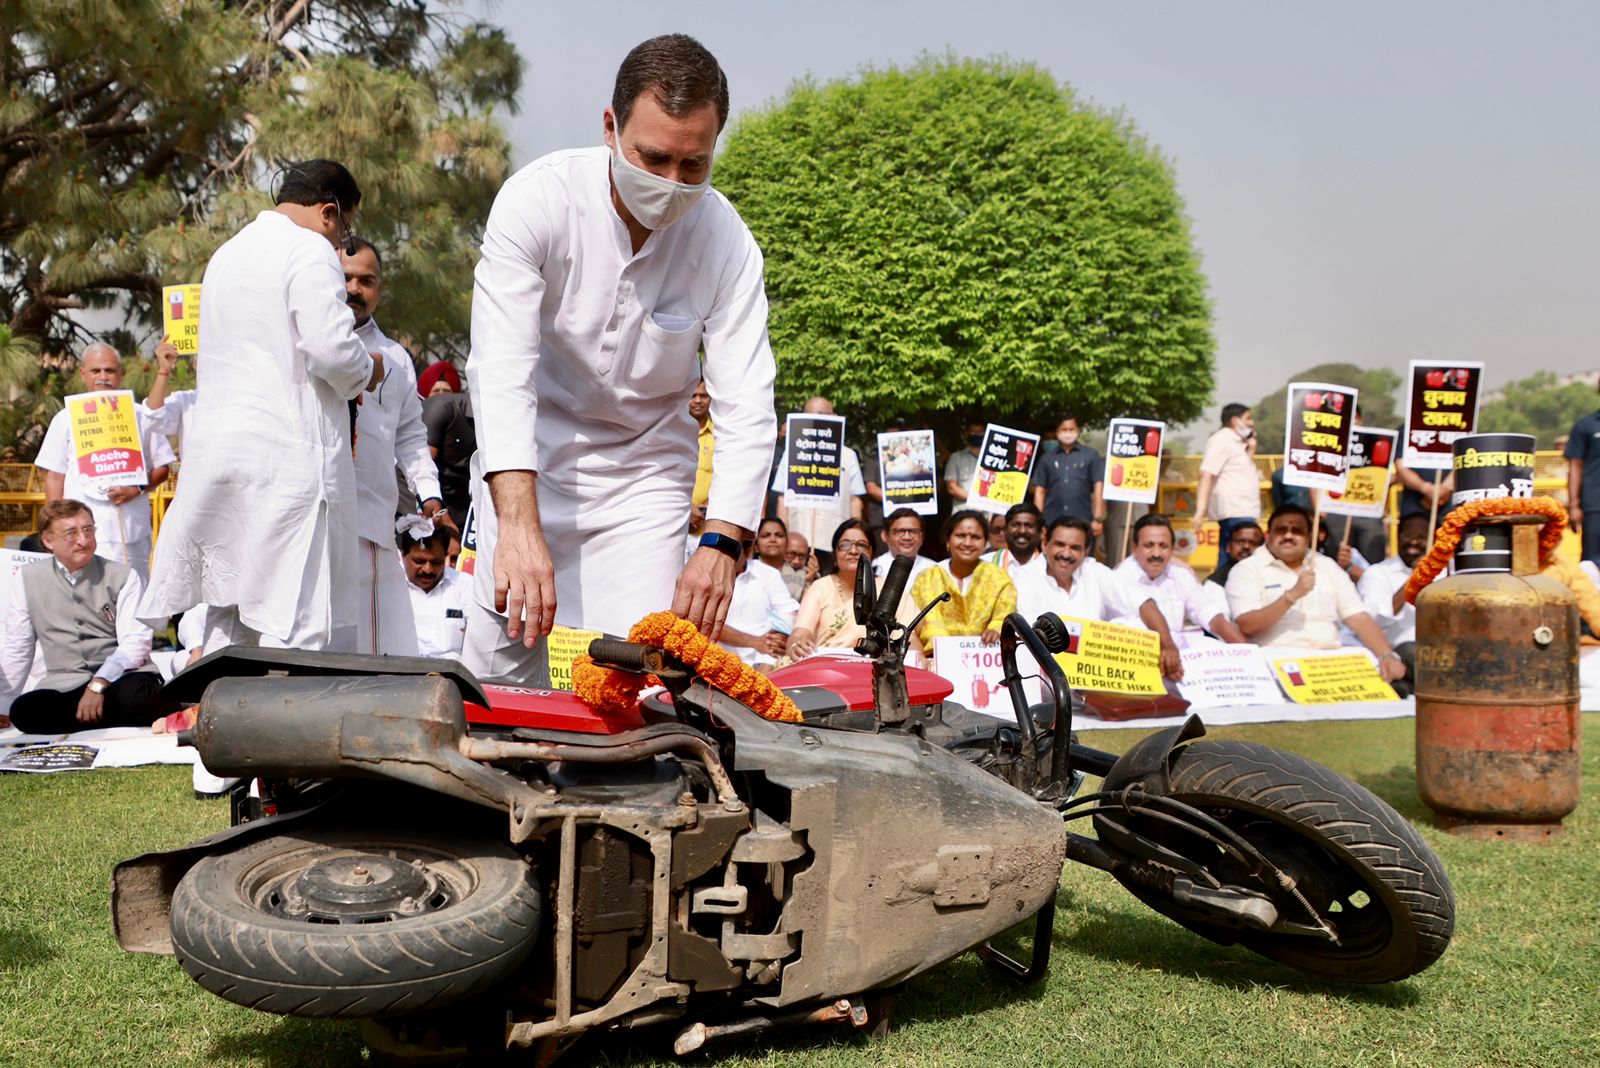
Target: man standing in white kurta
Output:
[
  {"x": 389, "y": 432},
  {"x": 263, "y": 527},
  {"x": 604, "y": 272}
]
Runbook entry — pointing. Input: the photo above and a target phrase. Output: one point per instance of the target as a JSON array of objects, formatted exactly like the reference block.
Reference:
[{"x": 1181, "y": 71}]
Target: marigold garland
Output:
[
  {"x": 616, "y": 692},
  {"x": 1448, "y": 539}
]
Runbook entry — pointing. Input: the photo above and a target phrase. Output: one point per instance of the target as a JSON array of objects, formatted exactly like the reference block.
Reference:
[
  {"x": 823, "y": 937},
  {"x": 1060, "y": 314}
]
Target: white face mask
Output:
[
  {"x": 1245, "y": 432},
  {"x": 653, "y": 201}
]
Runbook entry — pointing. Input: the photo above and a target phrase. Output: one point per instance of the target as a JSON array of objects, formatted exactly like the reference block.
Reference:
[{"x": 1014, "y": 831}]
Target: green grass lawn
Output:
[{"x": 1519, "y": 986}]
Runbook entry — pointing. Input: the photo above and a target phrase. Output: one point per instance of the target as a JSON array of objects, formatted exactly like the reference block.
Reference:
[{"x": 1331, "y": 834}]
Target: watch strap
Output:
[{"x": 723, "y": 543}]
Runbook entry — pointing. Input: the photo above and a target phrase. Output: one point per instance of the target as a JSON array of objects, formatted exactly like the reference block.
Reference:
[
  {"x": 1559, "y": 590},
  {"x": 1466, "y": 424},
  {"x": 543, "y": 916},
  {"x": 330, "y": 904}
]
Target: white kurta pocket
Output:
[{"x": 665, "y": 359}]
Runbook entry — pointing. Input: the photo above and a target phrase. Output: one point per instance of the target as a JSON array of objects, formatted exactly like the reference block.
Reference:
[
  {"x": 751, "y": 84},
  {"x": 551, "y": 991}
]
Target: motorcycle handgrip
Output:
[
  {"x": 894, "y": 585},
  {"x": 629, "y": 656}
]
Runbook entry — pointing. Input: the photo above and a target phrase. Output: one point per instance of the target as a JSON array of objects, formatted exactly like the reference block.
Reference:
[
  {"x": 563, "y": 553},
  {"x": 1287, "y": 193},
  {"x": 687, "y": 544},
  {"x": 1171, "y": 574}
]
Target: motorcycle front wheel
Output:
[
  {"x": 349, "y": 922},
  {"x": 1352, "y": 857}
]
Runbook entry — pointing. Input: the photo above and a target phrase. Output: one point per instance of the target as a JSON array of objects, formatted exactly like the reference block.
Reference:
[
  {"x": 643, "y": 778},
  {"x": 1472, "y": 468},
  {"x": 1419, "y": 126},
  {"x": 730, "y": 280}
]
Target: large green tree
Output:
[
  {"x": 969, "y": 236},
  {"x": 136, "y": 136},
  {"x": 1377, "y": 387},
  {"x": 1541, "y": 404}
]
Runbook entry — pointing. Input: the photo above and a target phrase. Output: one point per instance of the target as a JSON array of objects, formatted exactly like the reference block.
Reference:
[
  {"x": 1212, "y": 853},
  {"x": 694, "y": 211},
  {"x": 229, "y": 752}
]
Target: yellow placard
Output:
[
  {"x": 1009, "y": 487},
  {"x": 1139, "y": 473},
  {"x": 180, "y": 317},
  {"x": 1111, "y": 658},
  {"x": 1331, "y": 680},
  {"x": 566, "y": 644},
  {"x": 105, "y": 437}
]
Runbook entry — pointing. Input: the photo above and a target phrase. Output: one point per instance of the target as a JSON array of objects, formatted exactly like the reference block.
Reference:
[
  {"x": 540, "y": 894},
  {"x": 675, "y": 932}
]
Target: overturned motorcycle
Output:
[{"x": 476, "y": 869}]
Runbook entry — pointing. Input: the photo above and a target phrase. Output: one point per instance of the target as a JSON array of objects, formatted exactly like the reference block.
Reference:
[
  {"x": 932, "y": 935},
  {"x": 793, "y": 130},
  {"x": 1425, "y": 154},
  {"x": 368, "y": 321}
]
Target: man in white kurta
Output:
[
  {"x": 389, "y": 433},
  {"x": 1151, "y": 570},
  {"x": 263, "y": 529},
  {"x": 438, "y": 593},
  {"x": 604, "y": 272},
  {"x": 121, "y": 513}
]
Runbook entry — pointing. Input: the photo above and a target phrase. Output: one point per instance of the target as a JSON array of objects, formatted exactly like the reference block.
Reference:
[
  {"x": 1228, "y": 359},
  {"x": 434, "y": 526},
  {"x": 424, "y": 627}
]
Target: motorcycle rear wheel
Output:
[
  {"x": 271, "y": 926},
  {"x": 1359, "y": 863}
]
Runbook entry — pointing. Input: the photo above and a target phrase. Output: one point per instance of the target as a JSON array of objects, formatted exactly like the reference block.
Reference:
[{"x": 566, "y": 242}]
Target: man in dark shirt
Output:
[
  {"x": 452, "y": 440},
  {"x": 1068, "y": 482},
  {"x": 1583, "y": 482}
]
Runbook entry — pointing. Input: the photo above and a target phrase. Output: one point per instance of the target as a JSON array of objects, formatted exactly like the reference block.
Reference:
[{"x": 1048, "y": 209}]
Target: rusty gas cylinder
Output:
[{"x": 1497, "y": 696}]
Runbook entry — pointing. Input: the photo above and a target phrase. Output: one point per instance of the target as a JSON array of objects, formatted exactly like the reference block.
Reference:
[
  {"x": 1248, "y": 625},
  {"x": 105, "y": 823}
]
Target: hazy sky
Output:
[{"x": 1366, "y": 182}]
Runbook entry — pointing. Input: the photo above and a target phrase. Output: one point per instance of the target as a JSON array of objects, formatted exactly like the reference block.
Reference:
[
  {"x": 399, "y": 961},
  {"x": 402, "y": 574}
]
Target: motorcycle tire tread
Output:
[
  {"x": 350, "y": 971},
  {"x": 1351, "y": 819}
]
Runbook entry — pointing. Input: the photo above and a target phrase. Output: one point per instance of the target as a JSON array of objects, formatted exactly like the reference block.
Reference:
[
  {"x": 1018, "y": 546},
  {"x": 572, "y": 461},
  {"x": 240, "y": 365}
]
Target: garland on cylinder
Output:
[
  {"x": 1448, "y": 539},
  {"x": 617, "y": 692}
]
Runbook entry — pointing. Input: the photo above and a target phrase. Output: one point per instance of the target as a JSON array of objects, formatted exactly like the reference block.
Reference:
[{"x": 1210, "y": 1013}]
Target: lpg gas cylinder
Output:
[{"x": 1497, "y": 694}]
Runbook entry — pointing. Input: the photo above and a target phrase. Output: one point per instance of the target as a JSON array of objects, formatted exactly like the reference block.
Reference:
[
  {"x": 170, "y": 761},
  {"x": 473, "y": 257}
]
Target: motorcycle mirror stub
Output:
[{"x": 866, "y": 592}]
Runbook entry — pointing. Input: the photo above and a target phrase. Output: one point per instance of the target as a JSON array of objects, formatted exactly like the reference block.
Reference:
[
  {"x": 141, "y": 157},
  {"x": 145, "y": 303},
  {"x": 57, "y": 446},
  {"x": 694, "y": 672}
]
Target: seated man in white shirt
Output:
[
  {"x": 438, "y": 592},
  {"x": 903, "y": 531},
  {"x": 761, "y": 615},
  {"x": 79, "y": 612},
  {"x": 1076, "y": 584},
  {"x": 1021, "y": 558},
  {"x": 1382, "y": 591},
  {"x": 1174, "y": 588},
  {"x": 1284, "y": 595}
]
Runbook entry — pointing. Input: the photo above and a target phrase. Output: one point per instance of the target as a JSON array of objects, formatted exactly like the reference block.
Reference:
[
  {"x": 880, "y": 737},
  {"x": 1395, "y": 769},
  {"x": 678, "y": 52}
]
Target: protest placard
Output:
[
  {"x": 1111, "y": 658},
  {"x": 1317, "y": 435},
  {"x": 1227, "y": 676},
  {"x": 37, "y": 759},
  {"x": 907, "y": 462},
  {"x": 467, "y": 559},
  {"x": 974, "y": 669},
  {"x": 105, "y": 439},
  {"x": 1331, "y": 679},
  {"x": 565, "y": 645},
  {"x": 180, "y": 317},
  {"x": 1366, "y": 475},
  {"x": 1004, "y": 461},
  {"x": 1441, "y": 406},
  {"x": 1133, "y": 460},
  {"x": 812, "y": 454}
]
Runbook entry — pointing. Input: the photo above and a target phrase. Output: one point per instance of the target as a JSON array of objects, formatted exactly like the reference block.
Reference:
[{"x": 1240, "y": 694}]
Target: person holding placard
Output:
[
  {"x": 963, "y": 463},
  {"x": 815, "y": 519},
  {"x": 1076, "y": 584},
  {"x": 1285, "y": 595},
  {"x": 121, "y": 513},
  {"x": 604, "y": 273},
  {"x": 264, "y": 530},
  {"x": 1230, "y": 485}
]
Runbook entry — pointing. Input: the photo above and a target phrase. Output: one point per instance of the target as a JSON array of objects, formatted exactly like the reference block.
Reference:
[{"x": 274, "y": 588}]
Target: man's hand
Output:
[
  {"x": 1575, "y": 518},
  {"x": 120, "y": 495},
  {"x": 1305, "y": 583},
  {"x": 775, "y": 643},
  {"x": 1096, "y": 527},
  {"x": 91, "y": 706},
  {"x": 1171, "y": 662},
  {"x": 1390, "y": 667},
  {"x": 524, "y": 578},
  {"x": 705, "y": 590},
  {"x": 166, "y": 356},
  {"x": 434, "y": 509},
  {"x": 1344, "y": 557},
  {"x": 813, "y": 568}
]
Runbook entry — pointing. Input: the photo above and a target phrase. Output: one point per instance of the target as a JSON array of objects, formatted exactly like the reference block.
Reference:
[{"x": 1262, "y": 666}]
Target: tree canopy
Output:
[
  {"x": 136, "y": 137},
  {"x": 968, "y": 236},
  {"x": 1541, "y": 404},
  {"x": 1377, "y": 388}
]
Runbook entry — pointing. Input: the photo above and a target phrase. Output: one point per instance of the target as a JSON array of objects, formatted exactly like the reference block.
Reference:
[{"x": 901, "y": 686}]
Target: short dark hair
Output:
[
  {"x": 675, "y": 69},
  {"x": 439, "y": 540},
  {"x": 319, "y": 181},
  {"x": 1152, "y": 519},
  {"x": 1025, "y": 508},
  {"x": 63, "y": 508},
  {"x": 904, "y": 513},
  {"x": 361, "y": 244},
  {"x": 1290, "y": 508},
  {"x": 1072, "y": 522},
  {"x": 844, "y": 528},
  {"x": 1230, "y": 412},
  {"x": 1234, "y": 533},
  {"x": 959, "y": 517},
  {"x": 1068, "y": 417}
]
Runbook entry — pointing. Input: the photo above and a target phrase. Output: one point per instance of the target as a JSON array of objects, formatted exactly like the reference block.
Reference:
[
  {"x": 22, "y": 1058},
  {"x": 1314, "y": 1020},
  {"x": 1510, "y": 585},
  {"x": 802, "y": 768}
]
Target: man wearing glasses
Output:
[{"x": 79, "y": 612}]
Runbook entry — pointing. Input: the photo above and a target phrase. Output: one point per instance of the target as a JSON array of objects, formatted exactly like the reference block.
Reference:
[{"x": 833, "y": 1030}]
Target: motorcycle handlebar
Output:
[{"x": 629, "y": 656}]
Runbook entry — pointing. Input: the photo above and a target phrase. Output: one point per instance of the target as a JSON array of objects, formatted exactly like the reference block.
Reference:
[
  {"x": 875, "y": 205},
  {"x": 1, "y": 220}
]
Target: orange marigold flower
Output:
[{"x": 1448, "y": 538}]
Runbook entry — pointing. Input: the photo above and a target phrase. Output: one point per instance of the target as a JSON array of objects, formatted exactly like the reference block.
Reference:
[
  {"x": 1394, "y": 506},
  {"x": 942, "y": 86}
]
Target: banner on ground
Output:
[
  {"x": 1332, "y": 679},
  {"x": 1133, "y": 460},
  {"x": 180, "y": 317},
  {"x": 1111, "y": 658},
  {"x": 1366, "y": 475},
  {"x": 1317, "y": 435},
  {"x": 567, "y": 644},
  {"x": 1227, "y": 676},
  {"x": 1004, "y": 462},
  {"x": 906, "y": 463},
  {"x": 40, "y": 759},
  {"x": 105, "y": 439},
  {"x": 813, "y": 451},
  {"x": 1441, "y": 406},
  {"x": 974, "y": 669}
]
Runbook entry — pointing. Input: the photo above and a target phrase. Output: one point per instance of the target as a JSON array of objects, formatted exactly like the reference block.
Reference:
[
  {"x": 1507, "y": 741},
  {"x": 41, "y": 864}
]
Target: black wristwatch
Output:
[{"x": 723, "y": 543}]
